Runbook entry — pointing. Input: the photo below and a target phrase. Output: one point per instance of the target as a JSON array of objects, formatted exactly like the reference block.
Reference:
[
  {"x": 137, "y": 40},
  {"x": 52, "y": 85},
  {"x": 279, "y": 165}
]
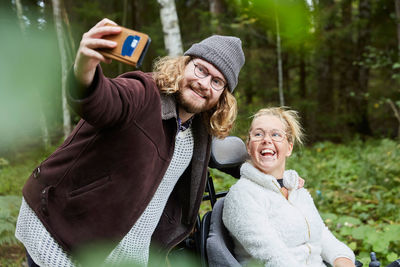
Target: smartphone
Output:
[{"x": 131, "y": 46}]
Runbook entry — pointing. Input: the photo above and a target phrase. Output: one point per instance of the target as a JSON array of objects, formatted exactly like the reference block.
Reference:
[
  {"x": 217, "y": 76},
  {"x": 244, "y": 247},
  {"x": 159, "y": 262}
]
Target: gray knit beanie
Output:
[{"x": 224, "y": 52}]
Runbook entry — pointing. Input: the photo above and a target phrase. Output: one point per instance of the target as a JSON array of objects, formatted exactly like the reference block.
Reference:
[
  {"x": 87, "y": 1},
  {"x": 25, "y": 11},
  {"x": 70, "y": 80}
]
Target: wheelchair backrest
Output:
[{"x": 219, "y": 244}]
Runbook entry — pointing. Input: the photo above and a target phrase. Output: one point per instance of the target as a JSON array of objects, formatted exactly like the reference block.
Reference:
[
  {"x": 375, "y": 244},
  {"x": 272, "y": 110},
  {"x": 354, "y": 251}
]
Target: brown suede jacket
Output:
[{"x": 99, "y": 181}]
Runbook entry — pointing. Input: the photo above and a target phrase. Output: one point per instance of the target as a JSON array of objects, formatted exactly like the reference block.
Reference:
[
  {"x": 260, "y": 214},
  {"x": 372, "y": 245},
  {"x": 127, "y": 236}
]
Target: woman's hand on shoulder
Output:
[
  {"x": 301, "y": 183},
  {"x": 343, "y": 262}
]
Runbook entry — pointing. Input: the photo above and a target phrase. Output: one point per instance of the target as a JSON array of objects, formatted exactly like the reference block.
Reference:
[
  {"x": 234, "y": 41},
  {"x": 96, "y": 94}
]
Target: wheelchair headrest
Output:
[{"x": 227, "y": 153}]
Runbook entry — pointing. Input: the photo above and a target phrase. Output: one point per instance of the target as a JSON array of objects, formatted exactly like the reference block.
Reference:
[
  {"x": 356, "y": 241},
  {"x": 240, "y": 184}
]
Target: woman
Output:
[{"x": 271, "y": 220}]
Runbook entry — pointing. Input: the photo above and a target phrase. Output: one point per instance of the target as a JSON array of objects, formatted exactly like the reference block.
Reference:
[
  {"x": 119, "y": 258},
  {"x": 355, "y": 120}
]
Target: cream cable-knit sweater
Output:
[
  {"x": 45, "y": 251},
  {"x": 277, "y": 231}
]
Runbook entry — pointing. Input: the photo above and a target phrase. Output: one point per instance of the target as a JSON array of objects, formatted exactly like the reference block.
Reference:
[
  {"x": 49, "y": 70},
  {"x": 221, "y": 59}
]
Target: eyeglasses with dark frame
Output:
[
  {"x": 201, "y": 72},
  {"x": 275, "y": 135}
]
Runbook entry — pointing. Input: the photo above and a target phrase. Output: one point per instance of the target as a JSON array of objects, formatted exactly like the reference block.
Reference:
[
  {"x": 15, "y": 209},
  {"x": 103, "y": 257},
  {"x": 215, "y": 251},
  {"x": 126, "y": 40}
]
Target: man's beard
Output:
[{"x": 191, "y": 106}]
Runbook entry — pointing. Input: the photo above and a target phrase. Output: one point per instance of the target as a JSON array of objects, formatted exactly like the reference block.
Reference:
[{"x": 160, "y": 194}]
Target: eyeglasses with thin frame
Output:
[
  {"x": 201, "y": 72},
  {"x": 275, "y": 135}
]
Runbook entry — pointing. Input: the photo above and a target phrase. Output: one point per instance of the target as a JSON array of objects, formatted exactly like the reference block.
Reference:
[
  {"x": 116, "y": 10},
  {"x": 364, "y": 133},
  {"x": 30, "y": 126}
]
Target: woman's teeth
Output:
[{"x": 266, "y": 152}]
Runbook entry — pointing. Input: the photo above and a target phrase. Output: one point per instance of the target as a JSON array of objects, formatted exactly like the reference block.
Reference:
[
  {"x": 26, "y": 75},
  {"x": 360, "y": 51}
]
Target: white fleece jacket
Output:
[{"x": 276, "y": 231}]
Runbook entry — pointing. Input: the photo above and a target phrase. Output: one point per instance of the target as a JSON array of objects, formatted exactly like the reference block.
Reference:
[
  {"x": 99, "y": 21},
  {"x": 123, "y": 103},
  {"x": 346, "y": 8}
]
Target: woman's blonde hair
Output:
[
  {"x": 168, "y": 74},
  {"x": 290, "y": 119}
]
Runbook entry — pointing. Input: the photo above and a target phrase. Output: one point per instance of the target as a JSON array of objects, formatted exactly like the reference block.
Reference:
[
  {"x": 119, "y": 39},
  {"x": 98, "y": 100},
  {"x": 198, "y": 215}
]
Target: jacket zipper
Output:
[{"x": 307, "y": 223}]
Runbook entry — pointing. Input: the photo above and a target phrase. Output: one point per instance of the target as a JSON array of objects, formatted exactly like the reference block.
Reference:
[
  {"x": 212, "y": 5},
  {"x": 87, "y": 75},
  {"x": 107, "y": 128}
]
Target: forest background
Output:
[{"x": 335, "y": 61}]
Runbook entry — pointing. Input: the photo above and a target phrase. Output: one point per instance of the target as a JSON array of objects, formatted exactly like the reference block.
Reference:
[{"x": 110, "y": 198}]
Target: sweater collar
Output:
[{"x": 290, "y": 178}]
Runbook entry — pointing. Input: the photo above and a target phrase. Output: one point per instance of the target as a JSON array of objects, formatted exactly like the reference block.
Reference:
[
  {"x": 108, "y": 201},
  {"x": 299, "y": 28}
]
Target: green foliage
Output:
[
  {"x": 382, "y": 238},
  {"x": 93, "y": 256},
  {"x": 293, "y": 17},
  {"x": 9, "y": 207},
  {"x": 13, "y": 176},
  {"x": 3, "y": 162},
  {"x": 222, "y": 181},
  {"x": 355, "y": 186},
  {"x": 362, "y": 177},
  {"x": 19, "y": 168}
]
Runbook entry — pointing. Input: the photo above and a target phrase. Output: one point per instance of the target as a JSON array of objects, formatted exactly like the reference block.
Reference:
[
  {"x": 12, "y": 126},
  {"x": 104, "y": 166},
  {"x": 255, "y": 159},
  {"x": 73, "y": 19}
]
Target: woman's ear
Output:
[{"x": 289, "y": 153}]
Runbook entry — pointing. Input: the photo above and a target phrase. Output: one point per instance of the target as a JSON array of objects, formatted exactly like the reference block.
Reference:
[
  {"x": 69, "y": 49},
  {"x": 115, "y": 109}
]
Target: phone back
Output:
[{"x": 131, "y": 47}]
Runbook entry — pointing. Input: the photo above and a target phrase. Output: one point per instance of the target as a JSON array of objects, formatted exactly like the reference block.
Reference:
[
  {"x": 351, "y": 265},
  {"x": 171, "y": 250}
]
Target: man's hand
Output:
[{"x": 87, "y": 57}]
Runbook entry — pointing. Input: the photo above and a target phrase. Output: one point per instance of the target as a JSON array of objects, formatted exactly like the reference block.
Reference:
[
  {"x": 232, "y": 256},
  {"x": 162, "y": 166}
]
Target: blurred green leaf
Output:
[
  {"x": 396, "y": 65},
  {"x": 362, "y": 231},
  {"x": 391, "y": 256}
]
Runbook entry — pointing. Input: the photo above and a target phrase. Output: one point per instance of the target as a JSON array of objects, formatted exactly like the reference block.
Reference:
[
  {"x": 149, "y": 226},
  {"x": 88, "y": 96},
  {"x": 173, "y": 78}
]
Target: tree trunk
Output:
[
  {"x": 57, "y": 13},
  {"x": 279, "y": 57},
  {"x": 249, "y": 86},
  {"x": 362, "y": 74},
  {"x": 322, "y": 118},
  {"x": 346, "y": 59},
  {"x": 397, "y": 3},
  {"x": 20, "y": 15},
  {"x": 123, "y": 23},
  {"x": 396, "y": 112},
  {"x": 170, "y": 24},
  {"x": 70, "y": 45},
  {"x": 303, "y": 86},
  {"x": 325, "y": 62},
  {"x": 303, "y": 74},
  {"x": 217, "y": 8},
  {"x": 286, "y": 75},
  {"x": 137, "y": 12}
]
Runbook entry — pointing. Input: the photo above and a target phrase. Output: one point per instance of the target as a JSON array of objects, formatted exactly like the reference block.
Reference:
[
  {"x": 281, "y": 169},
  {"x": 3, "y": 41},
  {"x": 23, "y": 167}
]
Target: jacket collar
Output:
[
  {"x": 168, "y": 107},
  {"x": 169, "y": 110},
  {"x": 290, "y": 178}
]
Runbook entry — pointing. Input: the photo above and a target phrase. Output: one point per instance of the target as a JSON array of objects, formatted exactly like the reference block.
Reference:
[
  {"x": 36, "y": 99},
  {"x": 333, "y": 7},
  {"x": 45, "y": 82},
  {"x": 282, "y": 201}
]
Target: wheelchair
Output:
[{"x": 211, "y": 241}]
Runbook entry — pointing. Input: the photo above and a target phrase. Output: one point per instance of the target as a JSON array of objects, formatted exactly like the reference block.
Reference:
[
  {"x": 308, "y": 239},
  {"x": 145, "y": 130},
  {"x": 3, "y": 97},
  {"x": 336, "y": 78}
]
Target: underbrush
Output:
[
  {"x": 13, "y": 174},
  {"x": 356, "y": 187}
]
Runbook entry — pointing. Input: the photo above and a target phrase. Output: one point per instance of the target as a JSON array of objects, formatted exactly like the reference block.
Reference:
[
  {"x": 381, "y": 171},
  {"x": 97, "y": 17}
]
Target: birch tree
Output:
[
  {"x": 57, "y": 13},
  {"x": 70, "y": 45},
  {"x": 42, "y": 118},
  {"x": 170, "y": 25},
  {"x": 20, "y": 15}
]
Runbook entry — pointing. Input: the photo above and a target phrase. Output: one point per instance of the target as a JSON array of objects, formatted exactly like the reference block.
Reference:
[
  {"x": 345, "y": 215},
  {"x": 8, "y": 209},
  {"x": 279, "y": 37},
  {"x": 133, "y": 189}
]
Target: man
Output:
[{"x": 133, "y": 170}]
